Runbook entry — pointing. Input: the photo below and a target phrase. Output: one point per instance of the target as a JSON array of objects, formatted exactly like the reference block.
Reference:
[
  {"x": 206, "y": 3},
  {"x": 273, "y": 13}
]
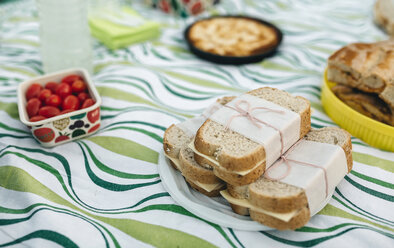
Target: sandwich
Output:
[
  {"x": 250, "y": 133},
  {"x": 367, "y": 67},
  {"x": 175, "y": 145},
  {"x": 282, "y": 205}
]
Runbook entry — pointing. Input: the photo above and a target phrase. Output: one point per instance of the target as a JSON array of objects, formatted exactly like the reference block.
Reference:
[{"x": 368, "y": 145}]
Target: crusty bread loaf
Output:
[
  {"x": 236, "y": 153},
  {"x": 368, "y": 67},
  {"x": 280, "y": 197},
  {"x": 384, "y": 15}
]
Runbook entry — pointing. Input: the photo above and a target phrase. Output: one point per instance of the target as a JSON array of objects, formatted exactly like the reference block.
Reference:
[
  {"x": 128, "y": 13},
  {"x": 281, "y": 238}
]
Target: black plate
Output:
[{"x": 233, "y": 60}]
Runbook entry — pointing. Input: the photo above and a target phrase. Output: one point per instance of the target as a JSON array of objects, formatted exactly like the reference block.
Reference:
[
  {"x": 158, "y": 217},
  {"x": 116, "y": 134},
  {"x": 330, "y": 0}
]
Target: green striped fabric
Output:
[{"x": 105, "y": 191}]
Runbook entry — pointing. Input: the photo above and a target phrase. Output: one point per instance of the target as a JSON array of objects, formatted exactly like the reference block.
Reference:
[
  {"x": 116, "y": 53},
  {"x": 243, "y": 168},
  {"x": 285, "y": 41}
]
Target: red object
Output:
[
  {"x": 52, "y": 86},
  {"x": 44, "y": 134},
  {"x": 70, "y": 79},
  {"x": 63, "y": 90},
  {"x": 71, "y": 102},
  {"x": 165, "y": 6},
  {"x": 53, "y": 100},
  {"x": 65, "y": 111},
  {"x": 196, "y": 8},
  {"x": 94, "y": 115},
  {"x": 83, "y": 96},
  {"x": 44, "y": 94},
  {"x": 87, "y": 103},
  {"x": 33, "y": 91},
  {"x": 78, "y": 86},
  {"x": 37, "y": 118},
  {"x": 32, "y": 107},
  {"x": 94, "y": 128},
  {"x": 62, "y": 138},
  {"x": 48, "y": 111}
]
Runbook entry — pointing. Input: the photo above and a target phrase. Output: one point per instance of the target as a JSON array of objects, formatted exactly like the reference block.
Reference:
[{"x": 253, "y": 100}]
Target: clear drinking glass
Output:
[{"x": 64, "y": 34}]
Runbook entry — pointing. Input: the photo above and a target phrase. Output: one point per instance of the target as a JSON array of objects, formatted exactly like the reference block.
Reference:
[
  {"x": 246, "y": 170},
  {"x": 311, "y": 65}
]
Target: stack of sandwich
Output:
[
  {"x": 260, "y": 147},
  {"x": 365, "y": 76}
]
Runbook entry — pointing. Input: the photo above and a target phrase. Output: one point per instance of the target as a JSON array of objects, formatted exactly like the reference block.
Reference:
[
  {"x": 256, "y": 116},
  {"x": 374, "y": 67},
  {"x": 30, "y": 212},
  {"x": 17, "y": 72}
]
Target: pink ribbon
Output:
[
  {"x": 248, "y": 114},
  {"x": 288, "y": 169}
]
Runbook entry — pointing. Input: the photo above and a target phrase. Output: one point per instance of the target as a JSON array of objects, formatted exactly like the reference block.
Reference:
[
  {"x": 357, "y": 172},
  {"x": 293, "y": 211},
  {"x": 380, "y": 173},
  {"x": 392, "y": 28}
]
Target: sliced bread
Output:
[
  {"x": 175, "y": 143},
  {"x": 231, "y": 152},
  {"x": 279, "y": 197}
]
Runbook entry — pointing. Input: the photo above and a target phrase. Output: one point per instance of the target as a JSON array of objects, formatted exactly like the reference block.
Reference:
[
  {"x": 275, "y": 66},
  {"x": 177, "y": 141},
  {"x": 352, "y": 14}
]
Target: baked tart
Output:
[{"x": 233, "y": 39}]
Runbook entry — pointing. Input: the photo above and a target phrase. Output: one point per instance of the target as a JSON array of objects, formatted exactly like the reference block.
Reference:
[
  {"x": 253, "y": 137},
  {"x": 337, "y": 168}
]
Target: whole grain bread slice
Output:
[
  {"x": 280, "y": 197},
  {"x": 235, "y": 152},
  {"x": 175, "y": 143}
]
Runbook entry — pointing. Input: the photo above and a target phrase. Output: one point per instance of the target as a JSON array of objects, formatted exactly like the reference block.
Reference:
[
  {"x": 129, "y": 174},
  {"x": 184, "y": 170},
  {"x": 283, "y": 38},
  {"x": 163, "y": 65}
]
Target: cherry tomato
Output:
[
  {"x": 71, "y": 102},
  {"x": 78, "y": 86},
  {"x": 53, "y": 100},
  {"x": 87, "y": 103},
  {"x": 32, "y": 107},
  {"x": 52, "y": 86},
  {"x": 37, "y": 118},
  {"x": 83, "y": 96},
  {"x": 33, "y": 91},
  {"x": 65, "y": 111},
  {"x": 70, "y": 79},
  {"x": 48, "y": 111},
  {"x": 63, "y": 90},
  {"x": 44, "y": 94}
]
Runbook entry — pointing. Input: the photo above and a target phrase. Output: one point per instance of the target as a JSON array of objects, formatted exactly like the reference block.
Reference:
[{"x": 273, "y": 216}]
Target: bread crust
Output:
[
  {"x": 192, "y": 171},
  {"x": 239, "y": 209},
  {"x": 230, "y": 177},
  {"x": 238, "y": 180},
  {"x": 171, "y": 149},
  {"x": 299, "y": 220},
  {"x": 275, "y": 203},
  {"x": 256, "y": 155}
]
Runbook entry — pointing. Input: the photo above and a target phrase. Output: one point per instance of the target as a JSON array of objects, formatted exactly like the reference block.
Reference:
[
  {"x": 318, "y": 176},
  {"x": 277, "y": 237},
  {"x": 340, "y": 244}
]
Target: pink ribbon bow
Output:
[
  {"x": 248, "y": 114},
  {"x": 288, "y": 169}
]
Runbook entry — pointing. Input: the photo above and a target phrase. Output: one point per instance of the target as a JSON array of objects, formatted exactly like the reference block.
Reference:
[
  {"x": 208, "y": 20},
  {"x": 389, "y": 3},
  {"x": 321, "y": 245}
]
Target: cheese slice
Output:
[
  {"x": 209, "y": 187},
  {"x": 175, "y": 161},
  {"x": 206, "y": 186},
  {"x": 212, "y": 160},
  {"x": 245, "y": 203}
]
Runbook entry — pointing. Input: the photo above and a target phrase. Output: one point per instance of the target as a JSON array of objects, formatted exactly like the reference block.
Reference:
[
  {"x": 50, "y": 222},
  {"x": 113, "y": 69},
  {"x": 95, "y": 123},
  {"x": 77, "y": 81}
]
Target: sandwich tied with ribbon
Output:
[
  {"x": 294, "y": 188},
  {"x": 260, "y": 145},
  {"x": 250, "y": 133}
]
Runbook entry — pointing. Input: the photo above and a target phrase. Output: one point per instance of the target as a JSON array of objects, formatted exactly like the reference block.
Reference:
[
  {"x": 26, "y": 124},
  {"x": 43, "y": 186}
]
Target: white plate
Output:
[{"x": 213, "y": 209}]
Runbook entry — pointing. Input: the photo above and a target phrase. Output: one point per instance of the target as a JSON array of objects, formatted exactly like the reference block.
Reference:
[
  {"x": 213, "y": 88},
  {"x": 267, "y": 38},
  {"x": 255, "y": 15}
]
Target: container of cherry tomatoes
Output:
[{"x": 60, "y": 107}]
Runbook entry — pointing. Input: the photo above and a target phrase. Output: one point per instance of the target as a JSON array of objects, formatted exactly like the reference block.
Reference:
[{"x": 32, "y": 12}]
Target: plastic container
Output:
[
  {"x": 62, "y": 128},
  {"x": 64, "y": 35},
  {"x": 373, "y": 132}
]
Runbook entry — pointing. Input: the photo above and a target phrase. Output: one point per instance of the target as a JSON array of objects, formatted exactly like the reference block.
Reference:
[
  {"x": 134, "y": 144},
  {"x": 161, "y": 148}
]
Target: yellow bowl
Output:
[{"x": 373, "y": 132}]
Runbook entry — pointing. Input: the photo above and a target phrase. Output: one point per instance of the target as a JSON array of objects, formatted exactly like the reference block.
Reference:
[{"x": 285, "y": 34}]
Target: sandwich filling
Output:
[
  {"x": 209, "y": 187},
  {"x": 245, "y": 203}
]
